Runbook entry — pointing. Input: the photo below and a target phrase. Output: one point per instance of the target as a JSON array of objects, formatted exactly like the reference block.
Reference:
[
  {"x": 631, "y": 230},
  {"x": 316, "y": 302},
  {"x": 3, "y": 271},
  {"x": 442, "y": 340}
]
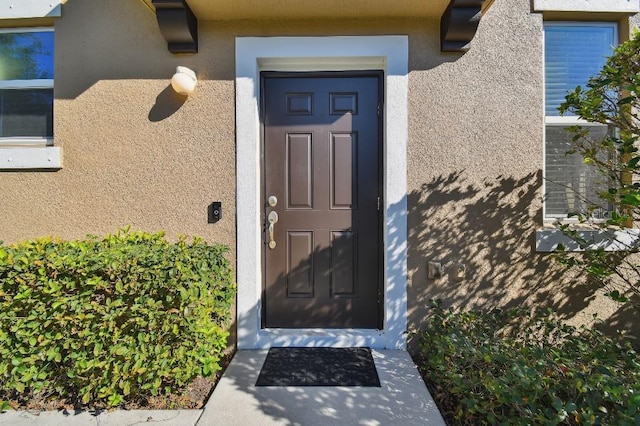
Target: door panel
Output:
[
  {"x": 299, "y": 172},
  {"x": 344, "y": 164},
  {"x": 344, "y": 258},
  {"x": 300, "y": 264},
  {"x": 322, "y": 162}
]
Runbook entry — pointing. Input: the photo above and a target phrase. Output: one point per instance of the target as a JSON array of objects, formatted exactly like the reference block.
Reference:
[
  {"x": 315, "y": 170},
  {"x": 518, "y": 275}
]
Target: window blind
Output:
[
  {"x": 571, "y": 185},
  {"x": 573, "y": 53},
  {"x": 26, "y": 112}
]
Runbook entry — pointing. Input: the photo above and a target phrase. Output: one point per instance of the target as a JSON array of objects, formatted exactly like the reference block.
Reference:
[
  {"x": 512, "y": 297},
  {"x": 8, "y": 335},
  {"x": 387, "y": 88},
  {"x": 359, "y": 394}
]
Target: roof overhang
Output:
[
  {"x": 178, "y": 19},
  {"x": 226, "y": 10}
]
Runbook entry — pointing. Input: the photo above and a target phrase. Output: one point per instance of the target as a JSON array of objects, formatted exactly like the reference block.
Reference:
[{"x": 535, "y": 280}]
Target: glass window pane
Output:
[
  {"x": 573, "y": 53},
  {"x": 571, "y": 185},
  {"x": 26, "y": 113},
  {"x": 26, "y": 56}
]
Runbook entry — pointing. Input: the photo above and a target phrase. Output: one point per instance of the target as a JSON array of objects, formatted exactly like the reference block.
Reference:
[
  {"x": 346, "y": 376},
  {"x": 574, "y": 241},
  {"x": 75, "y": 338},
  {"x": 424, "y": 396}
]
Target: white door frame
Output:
[{"x": 255, "y": 54}]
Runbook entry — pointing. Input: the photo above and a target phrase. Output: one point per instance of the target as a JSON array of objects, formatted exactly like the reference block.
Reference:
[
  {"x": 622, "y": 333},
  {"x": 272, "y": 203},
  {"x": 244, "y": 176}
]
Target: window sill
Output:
[
  {"x": 49, "y": 158},
  {"x": 547, "y": 240},
  {"x": 615, "y": 6},
  {"x": 22, "y": 9}
]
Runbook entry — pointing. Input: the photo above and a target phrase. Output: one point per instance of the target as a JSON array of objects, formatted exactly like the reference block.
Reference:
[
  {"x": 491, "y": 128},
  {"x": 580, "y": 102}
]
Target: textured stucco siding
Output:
[
  {"x": 475, "y": 160},
  {"x": 136, "y": 154}
]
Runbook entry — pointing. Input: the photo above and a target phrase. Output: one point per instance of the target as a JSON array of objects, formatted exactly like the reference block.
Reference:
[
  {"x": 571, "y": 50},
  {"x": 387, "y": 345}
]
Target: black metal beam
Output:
[
  {"x": 459, "y": 23},
  {"x": 178, "y": 25}
]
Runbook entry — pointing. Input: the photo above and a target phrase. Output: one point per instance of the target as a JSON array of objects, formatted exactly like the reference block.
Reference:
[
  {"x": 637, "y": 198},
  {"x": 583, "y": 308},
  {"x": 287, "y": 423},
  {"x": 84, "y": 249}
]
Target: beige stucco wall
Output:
[
  {"x": 475, "y": 161},
  {"x": 136, "y": 154},
  {"x": 475, "y": 176}
]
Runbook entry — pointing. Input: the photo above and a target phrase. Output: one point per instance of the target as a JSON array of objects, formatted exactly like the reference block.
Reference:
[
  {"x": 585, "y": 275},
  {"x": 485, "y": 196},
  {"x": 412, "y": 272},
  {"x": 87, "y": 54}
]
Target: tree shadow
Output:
[
  {"x": 623, "y": 320},
  {"x": 328, "y": 288},
  {"x": 402, "y": 398},
  {"x": 489, "y": 228}
]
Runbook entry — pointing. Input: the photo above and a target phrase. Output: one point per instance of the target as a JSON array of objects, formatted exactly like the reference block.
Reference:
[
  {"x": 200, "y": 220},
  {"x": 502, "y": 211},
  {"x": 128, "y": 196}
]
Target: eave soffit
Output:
[{"x": 178, "y": 19}]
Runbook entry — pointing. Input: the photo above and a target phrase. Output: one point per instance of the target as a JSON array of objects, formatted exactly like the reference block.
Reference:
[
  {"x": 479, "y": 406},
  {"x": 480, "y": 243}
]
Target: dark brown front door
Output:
[{"x": 322, "y": 177}]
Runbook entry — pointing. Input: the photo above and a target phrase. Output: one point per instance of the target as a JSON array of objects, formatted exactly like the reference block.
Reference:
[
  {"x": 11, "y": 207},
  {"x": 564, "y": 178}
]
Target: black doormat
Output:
[{"x": 319, "y": 367}]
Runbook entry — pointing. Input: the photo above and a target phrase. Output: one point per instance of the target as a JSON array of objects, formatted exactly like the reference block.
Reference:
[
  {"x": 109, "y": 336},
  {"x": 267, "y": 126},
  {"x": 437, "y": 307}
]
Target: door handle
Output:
[{"x": 272, "y": 219}]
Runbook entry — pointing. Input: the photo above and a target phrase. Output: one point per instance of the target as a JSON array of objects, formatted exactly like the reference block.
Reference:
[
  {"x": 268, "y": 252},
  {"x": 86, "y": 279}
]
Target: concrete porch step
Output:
[{"x": 402, "y": 399}]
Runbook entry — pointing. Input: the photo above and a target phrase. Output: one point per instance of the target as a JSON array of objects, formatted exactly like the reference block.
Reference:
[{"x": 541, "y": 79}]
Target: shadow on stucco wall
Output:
[
  {"x": 489, "y": 227},
  {"x": 168, "y": 102},
  {"x": 625, "y": 319}
]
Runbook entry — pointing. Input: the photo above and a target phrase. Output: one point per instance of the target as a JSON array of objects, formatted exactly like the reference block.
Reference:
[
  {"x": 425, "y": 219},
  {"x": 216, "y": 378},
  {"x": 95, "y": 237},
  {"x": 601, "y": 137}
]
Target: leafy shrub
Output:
[
  {"x": 104, "y": 321},
  {"x": 611, "y": 98},
  {"x": 517, "y": 368}
]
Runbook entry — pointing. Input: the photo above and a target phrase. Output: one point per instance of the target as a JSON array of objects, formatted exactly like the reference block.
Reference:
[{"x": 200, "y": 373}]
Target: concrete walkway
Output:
[
  {"x": 403, "y": 399},
  {"x": 113, "y": 418}
]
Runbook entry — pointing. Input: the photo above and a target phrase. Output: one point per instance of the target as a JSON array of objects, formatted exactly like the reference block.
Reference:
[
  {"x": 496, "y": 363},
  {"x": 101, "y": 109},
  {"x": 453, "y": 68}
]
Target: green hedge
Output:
[
  {"x": 106, "y": 321},
  {"x": 519, "y": 368}
]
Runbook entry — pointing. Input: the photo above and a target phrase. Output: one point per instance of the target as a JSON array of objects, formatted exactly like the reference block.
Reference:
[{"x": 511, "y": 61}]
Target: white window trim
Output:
[
  {"x": 49, "y": 158},
  {"x": 547, "y": 240},
  {"x": 28, "y": 153},
  {"x": 567, "y": 120},
  {"x": 26, "y": 29},
  {"x": 255, "y": 54},
  {"x": 615, "y": 6},
  {"x": 27, "y": 84}
]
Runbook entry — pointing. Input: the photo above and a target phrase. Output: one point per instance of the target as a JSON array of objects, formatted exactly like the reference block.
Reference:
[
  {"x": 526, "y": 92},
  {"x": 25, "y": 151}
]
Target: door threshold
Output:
[{"x": 321, "y": 337}]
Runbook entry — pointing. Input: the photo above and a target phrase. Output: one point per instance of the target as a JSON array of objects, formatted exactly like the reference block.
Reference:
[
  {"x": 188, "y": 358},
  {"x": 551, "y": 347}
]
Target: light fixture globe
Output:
[{"x": 184, "y": 81}]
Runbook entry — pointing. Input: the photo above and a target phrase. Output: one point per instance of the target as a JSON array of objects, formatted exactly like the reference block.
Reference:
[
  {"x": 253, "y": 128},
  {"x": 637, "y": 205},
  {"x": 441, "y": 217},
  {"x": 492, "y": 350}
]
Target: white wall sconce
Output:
[{"x": 184, "y": 81}]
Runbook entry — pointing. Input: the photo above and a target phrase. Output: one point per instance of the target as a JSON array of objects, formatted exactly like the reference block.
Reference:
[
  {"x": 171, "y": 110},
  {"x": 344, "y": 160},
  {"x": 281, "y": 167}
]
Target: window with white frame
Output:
[
  {"x": 26, "y": 87},
  {"x": 574, "y": 51}
]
